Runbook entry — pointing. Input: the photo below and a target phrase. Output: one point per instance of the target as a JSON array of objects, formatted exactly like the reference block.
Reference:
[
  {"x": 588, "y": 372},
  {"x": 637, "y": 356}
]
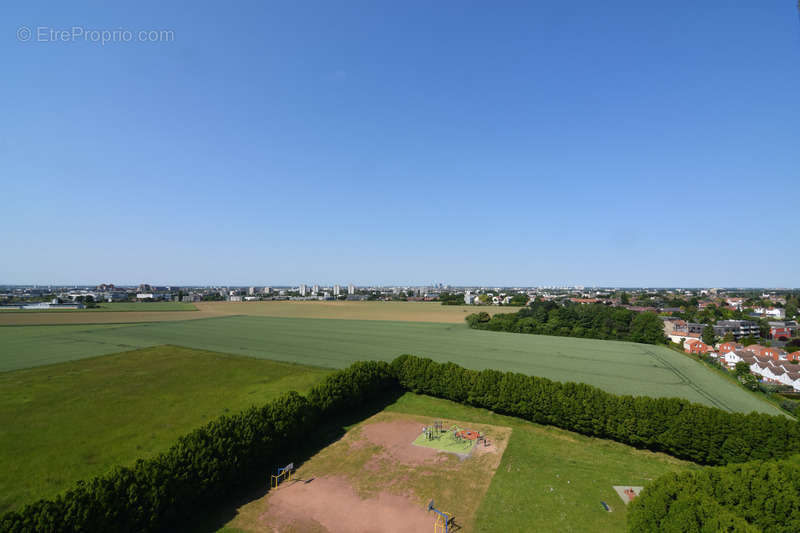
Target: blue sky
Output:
[{"x": 623, "y": 143}]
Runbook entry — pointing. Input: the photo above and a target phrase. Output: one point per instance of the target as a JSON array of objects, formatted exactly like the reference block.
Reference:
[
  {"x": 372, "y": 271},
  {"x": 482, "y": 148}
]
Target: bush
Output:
[{"x": 749, "y": 497}]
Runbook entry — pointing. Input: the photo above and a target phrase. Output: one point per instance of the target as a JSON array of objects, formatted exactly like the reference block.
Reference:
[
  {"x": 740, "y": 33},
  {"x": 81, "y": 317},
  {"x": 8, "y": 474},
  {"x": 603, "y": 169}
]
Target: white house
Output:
[
  {"x": 735, "y": 356},
  {"x": 773, "y": 312}
]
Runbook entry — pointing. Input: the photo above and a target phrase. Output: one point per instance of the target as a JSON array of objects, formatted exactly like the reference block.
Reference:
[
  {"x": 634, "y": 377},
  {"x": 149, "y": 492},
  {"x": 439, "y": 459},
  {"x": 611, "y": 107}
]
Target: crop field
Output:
[
  {"x": 393, "y": 311},
  {"x": 618, "y": 367},
  {"x": 151, "y": 312},
  {"x": 70, "y": 421},
  {"x": 529, "y": 478}
]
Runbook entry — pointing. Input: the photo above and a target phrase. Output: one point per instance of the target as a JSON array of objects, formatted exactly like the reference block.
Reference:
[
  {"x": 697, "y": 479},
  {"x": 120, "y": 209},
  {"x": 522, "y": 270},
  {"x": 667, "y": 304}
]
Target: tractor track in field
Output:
[{"x": 685, "y": 380}]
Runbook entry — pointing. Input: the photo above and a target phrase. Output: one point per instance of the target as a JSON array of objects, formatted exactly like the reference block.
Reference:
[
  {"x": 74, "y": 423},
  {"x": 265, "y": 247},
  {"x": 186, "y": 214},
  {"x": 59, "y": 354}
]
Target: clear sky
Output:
[{"x": 503, "y": 143}]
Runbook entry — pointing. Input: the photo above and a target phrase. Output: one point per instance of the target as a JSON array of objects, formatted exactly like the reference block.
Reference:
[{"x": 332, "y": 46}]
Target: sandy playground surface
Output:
[{"x": 374, "y": 480}]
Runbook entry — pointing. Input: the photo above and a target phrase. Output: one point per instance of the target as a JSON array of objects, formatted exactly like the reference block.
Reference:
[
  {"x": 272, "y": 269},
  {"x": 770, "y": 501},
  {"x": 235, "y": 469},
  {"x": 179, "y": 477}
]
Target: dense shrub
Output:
[
  {"x": 747, "y": 497},
  {"x": 686, "y": 430},
  {"x": 158, "y": 493},
  {"x": 595, "y": 321}
]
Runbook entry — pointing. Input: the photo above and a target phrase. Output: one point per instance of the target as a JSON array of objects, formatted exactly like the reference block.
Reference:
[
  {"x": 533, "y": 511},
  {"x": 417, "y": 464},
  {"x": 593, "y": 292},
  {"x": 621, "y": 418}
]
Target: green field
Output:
[
  {"x": 116, "y": 307},
  {"x": 70, "y": 421},
  {"x": 618, "y": 367}
]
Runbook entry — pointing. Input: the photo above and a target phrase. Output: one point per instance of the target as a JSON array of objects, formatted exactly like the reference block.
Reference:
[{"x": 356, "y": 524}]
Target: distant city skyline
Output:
[
  {"x": 622, "y": 144},
  {"x": 351, "y": 287}
]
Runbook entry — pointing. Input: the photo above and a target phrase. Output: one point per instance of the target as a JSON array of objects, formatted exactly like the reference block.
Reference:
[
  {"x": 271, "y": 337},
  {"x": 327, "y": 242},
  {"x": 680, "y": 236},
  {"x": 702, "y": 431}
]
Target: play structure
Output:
[
  {"x": 284, "y": 474},
  {"x": 443, "y": 520},
  {"x": 458, "y": 435}
]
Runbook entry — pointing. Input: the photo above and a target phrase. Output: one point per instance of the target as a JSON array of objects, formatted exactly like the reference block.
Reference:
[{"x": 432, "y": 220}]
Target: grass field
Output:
[
  {"x": 71, "y": 421},
  {"x": 397, "y": 311},
  {"x": 547, "y": 479},
  {"x": 618, "y": 367}
]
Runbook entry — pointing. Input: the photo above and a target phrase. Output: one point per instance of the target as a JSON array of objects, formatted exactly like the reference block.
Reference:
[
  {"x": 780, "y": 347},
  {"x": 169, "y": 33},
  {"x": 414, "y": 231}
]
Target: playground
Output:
[{"x": 382, "y": 477}]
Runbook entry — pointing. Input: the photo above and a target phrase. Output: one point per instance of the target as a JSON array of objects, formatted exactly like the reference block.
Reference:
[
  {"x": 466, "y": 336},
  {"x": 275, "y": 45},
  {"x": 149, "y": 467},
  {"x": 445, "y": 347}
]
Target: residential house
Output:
[
  {"x": 735, "y": 303},
  {"x": 782, "y": 330},
  {"x": 726, "y": 347},
  {"x": 771, "y": 312},
  {"x": 697, "y": 347}
]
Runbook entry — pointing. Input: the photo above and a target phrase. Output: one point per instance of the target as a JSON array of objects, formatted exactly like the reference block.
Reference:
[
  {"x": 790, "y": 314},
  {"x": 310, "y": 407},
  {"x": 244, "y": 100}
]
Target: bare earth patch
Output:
[
  {"x": 332, "y": 504},
  {"x": 374, "y": 480}
]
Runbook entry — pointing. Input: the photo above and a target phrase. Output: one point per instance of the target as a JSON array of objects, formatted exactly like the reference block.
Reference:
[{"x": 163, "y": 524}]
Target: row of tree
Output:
[
  {"x": 594, "y": 321},
  {"x": 744, "y": 498},
  {"x": 159, "y": 494},
  {"x": 680, "y": 428}
]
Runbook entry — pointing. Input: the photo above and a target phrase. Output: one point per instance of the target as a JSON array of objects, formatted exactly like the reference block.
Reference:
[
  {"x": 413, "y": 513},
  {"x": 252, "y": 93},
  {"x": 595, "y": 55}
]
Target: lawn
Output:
[
  {"x": 70, "y": 421},
  {"x": 618, "y": 367}
]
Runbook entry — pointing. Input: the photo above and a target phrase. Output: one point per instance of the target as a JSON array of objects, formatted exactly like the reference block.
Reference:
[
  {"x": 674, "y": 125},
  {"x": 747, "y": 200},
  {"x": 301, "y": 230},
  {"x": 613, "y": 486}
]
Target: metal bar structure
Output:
[
  {"x": 443, "y": 519},
  {"x": 284, "y": 474}
]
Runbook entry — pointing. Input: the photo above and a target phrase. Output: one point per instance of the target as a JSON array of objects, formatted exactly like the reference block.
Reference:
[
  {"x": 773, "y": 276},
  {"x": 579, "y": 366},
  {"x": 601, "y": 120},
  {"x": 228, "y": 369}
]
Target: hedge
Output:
[
  {"x": 705, "y": 435},
  {"x": 158, "y": 493}
]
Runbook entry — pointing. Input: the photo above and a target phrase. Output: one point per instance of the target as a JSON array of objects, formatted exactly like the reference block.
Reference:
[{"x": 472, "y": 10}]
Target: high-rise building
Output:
[
  {"x": 315, "y": 290},
  {"x": 251, "y": 291},
  {"x": 351, "y": 289},
  {"x": 302, "y": 289},
  {"x": 337, "y": 290},
  {"x": 267, "y": 290}
]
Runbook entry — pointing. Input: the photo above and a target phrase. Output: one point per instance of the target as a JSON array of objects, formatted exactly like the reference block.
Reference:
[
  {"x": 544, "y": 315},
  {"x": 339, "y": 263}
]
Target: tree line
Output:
[
  {"x": 158, "y": 494},
  {"x": 686, "y": 430},
  {"x": 593, "y": 321},
  {"x": 743, "y": 498}
]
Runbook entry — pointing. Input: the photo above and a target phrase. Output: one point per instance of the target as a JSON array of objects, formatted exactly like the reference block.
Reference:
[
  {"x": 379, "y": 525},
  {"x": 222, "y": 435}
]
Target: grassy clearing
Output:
[
  {"x": 550, "y": 479},
  {"x": 618, "y": 367},
  {"x": 71, "y": 421}
]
